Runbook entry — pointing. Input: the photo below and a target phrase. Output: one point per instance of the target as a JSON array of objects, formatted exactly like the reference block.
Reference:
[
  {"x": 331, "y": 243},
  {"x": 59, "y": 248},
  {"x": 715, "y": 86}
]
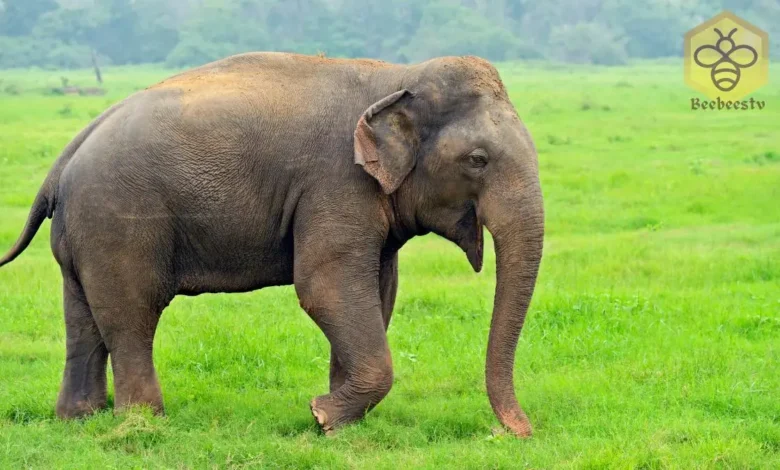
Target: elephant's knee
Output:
[
  {"x": 375, "y": 380},
  {"x": 384, "y": 383},
  {"x": 317, "y": 296}
]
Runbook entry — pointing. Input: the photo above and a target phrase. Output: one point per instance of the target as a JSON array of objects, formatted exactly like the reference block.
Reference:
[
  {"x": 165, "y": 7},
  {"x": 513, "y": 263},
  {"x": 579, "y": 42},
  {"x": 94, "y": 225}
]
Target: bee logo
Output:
[{"x": 726, "y": 60}]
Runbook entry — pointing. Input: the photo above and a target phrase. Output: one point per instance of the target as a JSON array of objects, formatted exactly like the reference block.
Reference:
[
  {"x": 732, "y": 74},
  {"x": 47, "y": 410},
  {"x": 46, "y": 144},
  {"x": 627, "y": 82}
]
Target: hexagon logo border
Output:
[{"x": 725, "y": 14}]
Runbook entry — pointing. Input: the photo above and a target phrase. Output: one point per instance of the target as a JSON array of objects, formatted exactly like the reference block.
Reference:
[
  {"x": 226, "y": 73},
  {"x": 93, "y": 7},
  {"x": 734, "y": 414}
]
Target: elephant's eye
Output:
[{"x": 478, "y": 160}]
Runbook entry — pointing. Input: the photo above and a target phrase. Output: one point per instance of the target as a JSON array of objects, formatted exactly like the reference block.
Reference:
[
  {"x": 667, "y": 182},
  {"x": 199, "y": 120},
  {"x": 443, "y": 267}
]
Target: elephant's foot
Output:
[
  {"x": 77, "y": 402},
  {"x": 135, "y": 380},
  {"x": 77, "y": 409},
  {"x": 330, "y": 416},
  {"x": 320, "y": 412},
  {"x": 321, "y": 417},
  {"x": 132, "y": 392}
]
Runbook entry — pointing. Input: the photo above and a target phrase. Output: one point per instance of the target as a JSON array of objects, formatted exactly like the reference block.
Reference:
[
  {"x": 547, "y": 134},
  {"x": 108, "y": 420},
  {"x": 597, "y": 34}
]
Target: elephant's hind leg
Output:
[
  {"x": 127, "y": 300},
  {"x": 128, "y": 330},
  {"x": 84, "y": 380}
]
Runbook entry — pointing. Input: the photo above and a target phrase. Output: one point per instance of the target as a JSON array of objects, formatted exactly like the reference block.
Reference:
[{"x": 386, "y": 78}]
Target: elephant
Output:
[{"x": 267, "y": 169}]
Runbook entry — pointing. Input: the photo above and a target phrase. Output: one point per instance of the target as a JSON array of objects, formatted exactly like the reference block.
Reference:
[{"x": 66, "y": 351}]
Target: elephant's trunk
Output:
[{"x": 517, "y": 226}]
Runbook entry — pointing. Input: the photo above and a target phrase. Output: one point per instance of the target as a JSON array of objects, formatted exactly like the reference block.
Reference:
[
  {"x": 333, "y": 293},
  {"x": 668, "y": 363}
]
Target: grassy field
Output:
[{"x": 653, "y": 340}]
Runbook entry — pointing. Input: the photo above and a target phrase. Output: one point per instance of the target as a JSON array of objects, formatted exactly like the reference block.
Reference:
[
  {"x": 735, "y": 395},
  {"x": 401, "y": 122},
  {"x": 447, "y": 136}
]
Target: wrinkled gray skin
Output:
[{"x": 270, "y": 169}]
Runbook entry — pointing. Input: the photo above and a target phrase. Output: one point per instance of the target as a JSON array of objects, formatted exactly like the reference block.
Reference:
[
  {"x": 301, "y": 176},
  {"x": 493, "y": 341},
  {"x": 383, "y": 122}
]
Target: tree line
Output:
[{"x": 65, "y": 33}]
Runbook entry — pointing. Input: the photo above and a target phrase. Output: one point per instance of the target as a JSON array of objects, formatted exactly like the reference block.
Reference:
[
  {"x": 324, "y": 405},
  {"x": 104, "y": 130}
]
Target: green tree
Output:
[
  {"x": 117, "y": 36},
  {"x": 109, "y": 29},
  {"x": 217, "y": 30},
  {"x": 441, "y": 33},
  {"x": 589, "y": 43},
  {"x": 652, "y": 29},
  {"x": 18, "y": 17},
  {"x": 157, "y": 29}
]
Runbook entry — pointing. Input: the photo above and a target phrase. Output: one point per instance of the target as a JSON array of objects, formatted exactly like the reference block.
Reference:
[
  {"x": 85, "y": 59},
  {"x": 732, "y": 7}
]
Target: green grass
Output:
[{"x": 653, "y": 339}]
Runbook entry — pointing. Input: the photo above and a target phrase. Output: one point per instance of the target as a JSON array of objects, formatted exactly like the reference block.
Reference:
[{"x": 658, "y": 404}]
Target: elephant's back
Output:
[
  {"x": 151, "y": 151},
  {"x": 217, "y": 137},
  {"x": 270, "y": 76}
]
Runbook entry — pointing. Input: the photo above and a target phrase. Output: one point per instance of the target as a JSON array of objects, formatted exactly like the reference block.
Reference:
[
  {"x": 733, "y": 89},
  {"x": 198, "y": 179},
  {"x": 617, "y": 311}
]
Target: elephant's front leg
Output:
[
  {"x": 388, "y": 287},
  {"x": 342, "y": 297}
]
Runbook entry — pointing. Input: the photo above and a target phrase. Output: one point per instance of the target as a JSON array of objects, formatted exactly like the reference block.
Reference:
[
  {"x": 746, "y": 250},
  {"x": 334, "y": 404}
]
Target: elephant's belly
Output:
[
  {"x": 237, "y": 269},
  {"x": 228, "y": 280}
]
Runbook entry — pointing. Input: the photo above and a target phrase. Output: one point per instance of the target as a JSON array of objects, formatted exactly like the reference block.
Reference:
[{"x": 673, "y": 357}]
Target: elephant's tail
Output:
[
  {"x": 39, "y": 212},
  {"x": 43, "y": 205}
]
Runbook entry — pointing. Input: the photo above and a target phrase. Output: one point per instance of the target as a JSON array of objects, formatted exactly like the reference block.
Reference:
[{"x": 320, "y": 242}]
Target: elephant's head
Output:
[{"x": 452, "y": 154}]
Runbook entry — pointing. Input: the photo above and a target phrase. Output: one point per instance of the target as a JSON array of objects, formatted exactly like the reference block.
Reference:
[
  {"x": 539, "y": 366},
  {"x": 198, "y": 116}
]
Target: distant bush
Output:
[
  {"x": 195, "y": 51},
  {"x": 23, "y": 52},
  {"x": 12, "y": 89},
  {"x": 215, "y": 34},
  {"x": 70, "y": 56},
  {"x": 589, "y": 43},
  {"x": 66, "y": 111},
  {"x": 441, "y": 32}
]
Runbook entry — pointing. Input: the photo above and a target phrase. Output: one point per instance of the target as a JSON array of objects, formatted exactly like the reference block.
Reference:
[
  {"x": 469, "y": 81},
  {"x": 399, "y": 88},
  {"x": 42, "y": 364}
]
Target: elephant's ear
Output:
[{"x": 386, "y": 142}]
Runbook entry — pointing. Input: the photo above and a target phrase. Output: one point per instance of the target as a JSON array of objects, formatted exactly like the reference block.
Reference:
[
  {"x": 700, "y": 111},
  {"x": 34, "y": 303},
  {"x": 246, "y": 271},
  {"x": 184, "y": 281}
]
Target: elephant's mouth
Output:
[{"x": 469, "y": 237}]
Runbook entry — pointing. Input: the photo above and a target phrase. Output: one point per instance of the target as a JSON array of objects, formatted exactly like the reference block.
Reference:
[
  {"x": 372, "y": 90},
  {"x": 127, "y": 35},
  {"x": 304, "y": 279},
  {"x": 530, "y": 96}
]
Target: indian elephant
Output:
[{"x": 267, "y": 169}]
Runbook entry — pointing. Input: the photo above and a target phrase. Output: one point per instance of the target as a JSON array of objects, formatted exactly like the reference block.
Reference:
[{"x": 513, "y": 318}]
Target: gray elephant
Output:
[{"x": 269, "y": 169}]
